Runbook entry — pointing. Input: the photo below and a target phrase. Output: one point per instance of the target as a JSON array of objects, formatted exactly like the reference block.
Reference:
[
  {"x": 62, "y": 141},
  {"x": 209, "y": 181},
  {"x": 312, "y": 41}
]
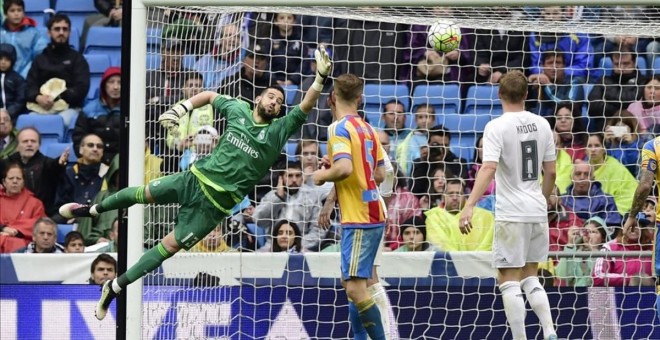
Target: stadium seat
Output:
[
  {"x": 35, "y": 10},
  {"x": 324, "y": 148},
  {"x": 464, "y": 123},
  {"x": 656, "y": 66},
  {"x": 153, "y": 40},
  {"x": 98, "y": 63},
  {"x": 585, "y": 104},
  {"x": 50, "y": 127},
  {"x": 606, "y": 66},
  {"x": 77, "y": 11},
  {"x": 483, "y": 99},
  {"x": 290, "y": 93},
  {"x": 444, "y": 98},
  {"x": 62, "y": 230},
  {"x": 290, "y": 150},
  {"x": 106, "y": 41},
  {"x": 188, "y": 61},
  {"x": 74, "y": 38},
  {"x": 463, "y": 145},
  {"x": 377, "y": 95},
  {"x": 54, "y": 150},
  {"x": 153, "y": 61}
]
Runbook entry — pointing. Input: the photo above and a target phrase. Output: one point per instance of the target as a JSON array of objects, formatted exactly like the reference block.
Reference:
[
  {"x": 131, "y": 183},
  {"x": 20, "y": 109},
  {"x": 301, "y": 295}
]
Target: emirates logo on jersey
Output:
[{"x": 241, "y": 142}]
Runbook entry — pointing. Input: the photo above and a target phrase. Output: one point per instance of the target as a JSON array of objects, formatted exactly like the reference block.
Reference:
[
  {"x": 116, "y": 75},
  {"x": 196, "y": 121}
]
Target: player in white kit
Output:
[{"x": 516, "y": 147}]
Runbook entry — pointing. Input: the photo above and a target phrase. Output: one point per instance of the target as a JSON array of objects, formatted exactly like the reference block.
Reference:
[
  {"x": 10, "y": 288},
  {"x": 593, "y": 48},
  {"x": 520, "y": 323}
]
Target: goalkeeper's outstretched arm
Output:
[
  {"x": 170, "y": 118},
  {"x": 323, "y": 68}
]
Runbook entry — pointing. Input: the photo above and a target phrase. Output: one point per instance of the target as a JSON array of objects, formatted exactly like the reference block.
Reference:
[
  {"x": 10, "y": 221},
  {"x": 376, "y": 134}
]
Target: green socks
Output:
[
  {"x": 123, "y": 199},
  {"x": 147, "y": 263}
]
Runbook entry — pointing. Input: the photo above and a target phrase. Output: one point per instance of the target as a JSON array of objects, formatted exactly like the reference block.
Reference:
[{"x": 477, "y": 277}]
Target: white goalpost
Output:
[{"x": 448, "y": 293}]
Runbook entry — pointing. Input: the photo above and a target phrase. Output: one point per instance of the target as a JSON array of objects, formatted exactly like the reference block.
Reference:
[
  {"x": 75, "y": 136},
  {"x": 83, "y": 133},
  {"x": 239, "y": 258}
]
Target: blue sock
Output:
[
  {"x": 359, "y": 333},
  {"x": 370, "y": 316}
]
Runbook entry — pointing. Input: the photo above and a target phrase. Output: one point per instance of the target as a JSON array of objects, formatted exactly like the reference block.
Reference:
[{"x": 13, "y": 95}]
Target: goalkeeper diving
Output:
[{"x": 253, "y": 141}]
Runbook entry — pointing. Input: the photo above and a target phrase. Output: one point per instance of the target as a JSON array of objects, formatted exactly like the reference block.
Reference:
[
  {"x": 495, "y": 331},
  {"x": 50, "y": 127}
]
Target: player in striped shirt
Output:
[
  {"x": 356, "y": 167},
  {"x": 647, "y": 173}
]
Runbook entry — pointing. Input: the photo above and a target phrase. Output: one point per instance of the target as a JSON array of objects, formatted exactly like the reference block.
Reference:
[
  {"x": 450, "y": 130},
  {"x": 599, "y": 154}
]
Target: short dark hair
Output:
[
  {"x": 456, "y": 180},
  {"x": 192, "y": 75},
  {"x": 553, "y": 53},
  {"x": 57, "y": 18},
  {"x": 439, "y": 130},
  {"x": 277, "y": 88},
  {"x": 293, "y": 165},
  {"x": 72, "y": 236},
  {"x": 12, "y": 165},
  {"x": 9, "y": 3},
  {"x": 103, "y": 258},
  {"x": 622, "y": 50},
  {"x": 394, "y": 101}
]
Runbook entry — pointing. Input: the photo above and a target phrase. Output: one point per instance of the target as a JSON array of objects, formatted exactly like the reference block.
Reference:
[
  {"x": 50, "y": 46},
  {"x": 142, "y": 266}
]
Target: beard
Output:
[{"x": 261, "y": 111}]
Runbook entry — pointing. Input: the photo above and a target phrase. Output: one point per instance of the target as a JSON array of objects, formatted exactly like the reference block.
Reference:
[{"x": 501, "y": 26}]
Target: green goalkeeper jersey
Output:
[{"x": 246, "y": 150}]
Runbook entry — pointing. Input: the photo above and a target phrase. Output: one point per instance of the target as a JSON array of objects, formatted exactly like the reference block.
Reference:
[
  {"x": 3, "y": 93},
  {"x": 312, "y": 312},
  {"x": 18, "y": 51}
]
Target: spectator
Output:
[
  {"x": 586, "y": 197},
  {"x": 564, "y": 166},
  {"x": 499, "y": 51},
  {"x": 109, "y": 14},
  {"x": 99, "y": 229},
  {"x": 286, "y": 237},
  {"x": 21, "y": 32},
  {"x": 552, "y": 86},
  {"x": 243, "y": 212},
  {"x": 437, "y": 191},
  {"x": 74, "y": 242},
  {"x": 202, "y": 145},
  {"x": 12, "y": 85},
  {"x": 287, "y": 49},
  {"x": 436, "y": 155},
  {"x": 647, "y": 110},
  {"x": 402, "y": 206},
  {"x": 41, "y": 173},
  {"x": 623, "y": 141},
  {"x": 567, "y": 123},
  {"x": 560, "y": 220},
  {"x": 413, "y": 232},
  {"x": 58, "y": 80},
  {"x": 616, "y": 92},
  {"x": 224, "y": 58},
  {"x": 102, "y": 116},
  {"x": 20, "y": 209},
  {"x": 576, "y": 272},
  {"x": 309, "y": 153},
  {"x": 191, "y": 122},
  {"x": 104, "y": 268},
  {"x": 212, "y": 243},
  {"x": 384, "y": 139},
  {"x": 44, "y": 237},
  {"x": 83, "y": 180},
  {"x": 250, "y": 80},
  {"x": 164, "y": 84},
  {"x": 8, "y": 140},
  {"x": 410, "y": 147},
  {"x": 474, "y": 168},
  {"x": 441, "y": 223},
  {"x": 612, "y": 271},
  {"x": 614, "y": 177},
  {"x": 293, "y": 201},
  {"x": 112, "y": 235},
  {"x": 394, "y": 120},
  {"x": 575, "y": 46}
]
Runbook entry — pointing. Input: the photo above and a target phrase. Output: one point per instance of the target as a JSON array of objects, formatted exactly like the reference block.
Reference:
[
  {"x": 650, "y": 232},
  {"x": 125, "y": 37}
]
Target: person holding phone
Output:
[{"x": 623, "y": 140}]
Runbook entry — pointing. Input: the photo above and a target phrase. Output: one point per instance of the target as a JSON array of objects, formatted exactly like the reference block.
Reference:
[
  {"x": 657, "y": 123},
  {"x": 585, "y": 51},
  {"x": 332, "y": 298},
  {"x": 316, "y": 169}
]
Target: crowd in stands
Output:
[{"x": 600, "y": 94}]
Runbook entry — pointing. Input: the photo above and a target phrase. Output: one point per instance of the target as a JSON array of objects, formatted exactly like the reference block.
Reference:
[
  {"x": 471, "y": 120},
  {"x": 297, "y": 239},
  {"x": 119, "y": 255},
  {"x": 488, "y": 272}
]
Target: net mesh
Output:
[{"x": 576, "y": 80}]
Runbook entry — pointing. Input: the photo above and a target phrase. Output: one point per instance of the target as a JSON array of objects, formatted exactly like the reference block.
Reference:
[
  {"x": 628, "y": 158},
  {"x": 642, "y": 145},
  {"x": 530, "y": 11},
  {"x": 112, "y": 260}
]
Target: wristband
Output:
[{"x": 188, "y": 105}]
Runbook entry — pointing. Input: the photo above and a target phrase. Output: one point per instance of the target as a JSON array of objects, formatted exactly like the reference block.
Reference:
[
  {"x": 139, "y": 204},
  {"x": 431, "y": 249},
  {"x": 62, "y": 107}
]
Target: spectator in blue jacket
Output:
[
  {"x": 576, "y": 47},
  {"x": 21, "y": 32},
  {"x": 12, "y": 85},
  {"x": 101, "y": 116},
  {"x": 586, "y": 197}
]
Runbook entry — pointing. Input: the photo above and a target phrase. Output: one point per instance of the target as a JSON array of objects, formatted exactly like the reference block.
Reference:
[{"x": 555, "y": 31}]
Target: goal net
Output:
[{"x": 590, "y": 72}]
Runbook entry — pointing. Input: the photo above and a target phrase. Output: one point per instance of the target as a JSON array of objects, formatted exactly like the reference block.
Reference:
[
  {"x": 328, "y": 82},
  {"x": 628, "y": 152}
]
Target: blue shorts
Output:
[{"x": 358, "y": 251}]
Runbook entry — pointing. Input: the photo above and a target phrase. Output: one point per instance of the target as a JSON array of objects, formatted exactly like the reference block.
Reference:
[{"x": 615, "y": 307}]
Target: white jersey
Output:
[
  {"x": 519, "y": 142},
  {"x": 386, "y": 185}
]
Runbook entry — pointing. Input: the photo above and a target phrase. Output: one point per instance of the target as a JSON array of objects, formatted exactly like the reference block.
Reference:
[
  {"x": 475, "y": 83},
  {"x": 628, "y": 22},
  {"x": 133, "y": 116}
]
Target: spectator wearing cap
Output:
[
  {"x": 22, "y": 33},
  {"x": 413, "y": 232},
  {"x": 8, "y": 134},
  {"x": 224, "y": 58},
  {"x": 613, "y": 271},
  {"x": 441, "y": 222},
  {"x": 190, "y": 123},
  {"x": 250, "y": 80},
  {"x": 576, "y": 272},
  {"x": 12, "y": 85},
  {"x": 102, "y": 116},
  {"x": 44, "y": 237},
  {"x": 58, "y": 80},
  {"x": 202, "y": 145}
]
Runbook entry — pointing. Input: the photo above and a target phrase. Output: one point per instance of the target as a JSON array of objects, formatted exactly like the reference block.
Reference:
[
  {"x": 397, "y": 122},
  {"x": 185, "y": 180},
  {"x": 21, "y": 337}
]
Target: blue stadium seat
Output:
[
  {"x": 153, "y": 61},
  {"x": 606, "y": 65},
  {"x": 483, "y": 99},
  {"x": 98, "y": 63},
  {"x": 62, "y": 230},
  {"x": 50, "y": 127},
  {"x": 35, "y": 10},
  {"x": 74, "y": 38},
  {"x": 153, "y": 40},
  {"x": 464, "y": 123},
  {"x": 290, "y": 93},
  {"x": 290, "y": 150},
  {"x": 77, "y": 11},
  {"x": 324, "y": 148},
  {"x": 444, "y": 98},
  {"x": 463, "y": 145},
  {"x": 54, "y": 150},
  {"x": 377, "y": 95},
  {"x": 585, "y": 104},
  {"x": 105, "y": 40},
  {"x": 656, "y": 66},
  {"x": 188, "y": 61}
]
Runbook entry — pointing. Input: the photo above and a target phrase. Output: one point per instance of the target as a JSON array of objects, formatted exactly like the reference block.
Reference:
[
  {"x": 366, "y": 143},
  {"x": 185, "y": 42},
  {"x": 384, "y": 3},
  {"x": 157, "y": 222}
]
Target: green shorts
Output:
[{"x": 198, "y": 215}]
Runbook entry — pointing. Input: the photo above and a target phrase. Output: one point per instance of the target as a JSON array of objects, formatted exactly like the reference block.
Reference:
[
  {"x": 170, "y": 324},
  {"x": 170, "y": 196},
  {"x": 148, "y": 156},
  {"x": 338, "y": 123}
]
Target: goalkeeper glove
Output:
[
  {"x": 170, "y": 118},
  {"x": 323, "y": 67}
]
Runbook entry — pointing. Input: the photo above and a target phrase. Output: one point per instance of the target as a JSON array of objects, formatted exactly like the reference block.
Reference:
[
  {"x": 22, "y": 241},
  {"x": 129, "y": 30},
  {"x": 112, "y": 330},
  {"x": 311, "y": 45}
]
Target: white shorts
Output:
[{"x": 517, "y": 243}]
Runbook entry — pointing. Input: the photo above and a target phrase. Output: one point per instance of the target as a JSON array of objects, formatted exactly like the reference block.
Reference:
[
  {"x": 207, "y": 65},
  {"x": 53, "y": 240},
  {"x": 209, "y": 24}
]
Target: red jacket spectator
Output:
[
  {"x": 20, "y": 209},
  {"x": 559, "y": 223}
]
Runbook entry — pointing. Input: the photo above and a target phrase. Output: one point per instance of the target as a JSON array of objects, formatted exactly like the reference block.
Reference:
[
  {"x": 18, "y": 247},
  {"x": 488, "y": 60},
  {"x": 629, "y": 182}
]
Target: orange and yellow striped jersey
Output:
[
  {"x": 650, "y": 158},
  {"x": 358, "y": 196}
]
